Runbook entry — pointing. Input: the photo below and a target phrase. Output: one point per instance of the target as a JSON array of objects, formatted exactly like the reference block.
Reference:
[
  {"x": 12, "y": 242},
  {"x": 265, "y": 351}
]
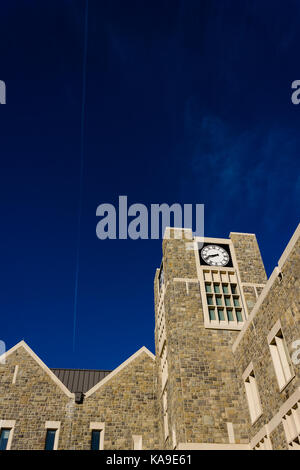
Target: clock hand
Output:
[{"x": 212, "y": 256}]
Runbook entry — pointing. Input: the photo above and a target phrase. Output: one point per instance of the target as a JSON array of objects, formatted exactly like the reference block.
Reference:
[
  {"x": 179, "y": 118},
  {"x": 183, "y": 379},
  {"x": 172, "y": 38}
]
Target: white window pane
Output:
[
  {"x": 250, "y": 401},
  {"x": 277, "y": 365},
  {"x": 255, "y": 396},
  {"x": 283, "y": 358}
]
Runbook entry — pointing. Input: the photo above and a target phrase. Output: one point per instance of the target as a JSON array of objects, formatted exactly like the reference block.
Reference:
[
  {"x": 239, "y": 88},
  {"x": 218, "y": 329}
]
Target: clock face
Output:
[{"x": 215, "y": 255}]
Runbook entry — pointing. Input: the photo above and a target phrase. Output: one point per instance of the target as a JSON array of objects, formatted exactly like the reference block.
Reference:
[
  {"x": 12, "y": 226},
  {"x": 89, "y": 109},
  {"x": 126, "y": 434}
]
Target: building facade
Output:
[{"x": 225, "y": 374}]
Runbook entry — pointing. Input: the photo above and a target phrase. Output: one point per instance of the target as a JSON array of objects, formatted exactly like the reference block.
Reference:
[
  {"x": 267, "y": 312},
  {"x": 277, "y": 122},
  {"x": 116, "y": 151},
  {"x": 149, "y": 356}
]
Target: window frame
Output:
[
  {"x": 252, "y": 394},
  {"x": 97, "y": 426},
  {"x": 8, "y": 424},
  {"x": 52, "y": 426},
  {"x": 280, "y": 356}
]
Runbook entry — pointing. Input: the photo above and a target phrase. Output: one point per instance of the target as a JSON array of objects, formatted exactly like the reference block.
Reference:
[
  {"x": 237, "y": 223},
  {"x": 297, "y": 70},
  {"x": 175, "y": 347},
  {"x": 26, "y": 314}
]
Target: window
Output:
[
  {"x": 52, "y": 434},
  {"x": 208, "y": 288},
  {"x": 4, "y": 436},
  {"x": 239, "y": 315},
  {"x": 281, "y": 360},
  {"x": 225, "y": 289},
  {"x": 6, "y": 433},
  {"x": 217, "y": 288},
  {"x": 291, "y": 424},
  {"x": 97, "y": 436},
  {"x": 221, "y": 314},
  {"x": 229, "y": 314},
  {"x": 222, "y": 301},
  {"x": 95, "y": 441},
  {"x": 252, "y": 393},
  {"x": 50, "y": 439},
  {"x": 212, "y": 315}
]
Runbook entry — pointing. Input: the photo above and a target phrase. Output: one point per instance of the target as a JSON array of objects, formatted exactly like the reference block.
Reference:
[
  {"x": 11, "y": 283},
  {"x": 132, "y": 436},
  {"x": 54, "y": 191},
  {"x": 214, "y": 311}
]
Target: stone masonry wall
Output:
[
  {"x": 281, "y": 303},
  {"x": 126, "y": 403},
  {"x": 202, "y": 387}
]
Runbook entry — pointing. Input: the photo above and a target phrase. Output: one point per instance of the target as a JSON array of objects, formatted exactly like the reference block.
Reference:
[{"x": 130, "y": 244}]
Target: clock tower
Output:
[{"x": 205, "y": 290}]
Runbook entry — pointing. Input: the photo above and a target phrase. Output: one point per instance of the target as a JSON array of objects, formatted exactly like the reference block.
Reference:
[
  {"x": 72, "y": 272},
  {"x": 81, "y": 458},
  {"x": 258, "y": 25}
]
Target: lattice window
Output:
[{"x": 222, "y": 300}]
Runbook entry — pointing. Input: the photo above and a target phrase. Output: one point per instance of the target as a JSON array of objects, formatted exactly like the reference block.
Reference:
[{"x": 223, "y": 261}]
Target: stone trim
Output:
[
  {"x": 15, "y": 374},
  {"x": 230, "y": 431},
  {"x": 252, "y": 284},
  {"x": 56, "y": 426},
  {"x": 137, "y": 442},
  {"x": 211, "y": 240},
  {"x": 242, "y": 233},
  {"x": 119, "y": 369},
  {"x": 40, "y": 363},
  {"x": 204, "y": 446},
  {"x": 95, "y": 426},
  {"x": 179, "y": 231}
]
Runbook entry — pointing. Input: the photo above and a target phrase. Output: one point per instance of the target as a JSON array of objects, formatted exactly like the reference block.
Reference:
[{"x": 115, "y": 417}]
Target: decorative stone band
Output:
[{"x": 204, "y": 446}]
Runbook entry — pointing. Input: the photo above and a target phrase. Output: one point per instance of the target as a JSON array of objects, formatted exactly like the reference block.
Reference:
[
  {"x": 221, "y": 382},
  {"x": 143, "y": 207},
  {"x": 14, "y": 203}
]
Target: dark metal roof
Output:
[{"x": 80, "y": 380}]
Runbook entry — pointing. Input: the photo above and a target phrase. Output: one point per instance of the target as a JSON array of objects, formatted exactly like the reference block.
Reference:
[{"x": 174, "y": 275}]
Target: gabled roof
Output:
[
  {"x": 25, "y": 346},
  {"x": 80, "y": 380},
  {"x": 71, "y": 381},
  {"x": 119, "y": 369}
]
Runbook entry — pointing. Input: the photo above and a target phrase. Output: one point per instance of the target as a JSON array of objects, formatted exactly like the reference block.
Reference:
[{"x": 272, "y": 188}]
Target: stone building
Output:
[{"x": 225, "y": 375}]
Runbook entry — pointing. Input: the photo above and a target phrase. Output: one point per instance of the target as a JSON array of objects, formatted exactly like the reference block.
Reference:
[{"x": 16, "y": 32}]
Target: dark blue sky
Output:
[{"x": 186, "y": 101}]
